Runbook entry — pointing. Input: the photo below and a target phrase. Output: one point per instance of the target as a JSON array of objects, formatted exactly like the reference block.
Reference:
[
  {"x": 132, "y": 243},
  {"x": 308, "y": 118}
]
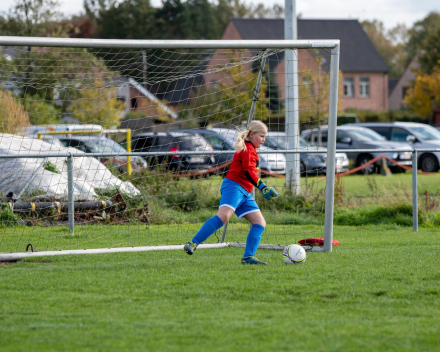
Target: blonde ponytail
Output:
[
  {"x": 239, "y": 143},
  {"x": 255, "y": 126}
]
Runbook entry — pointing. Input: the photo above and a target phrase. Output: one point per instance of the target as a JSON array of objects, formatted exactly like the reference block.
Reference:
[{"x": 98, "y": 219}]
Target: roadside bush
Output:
[
  {"x": 7, "y": 217},
  {"x": 400, "y": 214},
  {"x": 183, "y": 196}
]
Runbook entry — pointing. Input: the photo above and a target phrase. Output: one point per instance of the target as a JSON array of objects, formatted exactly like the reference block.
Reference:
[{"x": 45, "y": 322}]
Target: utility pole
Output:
[{"x": 293, "y": 172}]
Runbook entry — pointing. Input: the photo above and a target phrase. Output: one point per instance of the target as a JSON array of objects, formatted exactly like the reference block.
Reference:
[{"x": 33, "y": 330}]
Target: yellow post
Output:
[
  {"x": 128, "y": 139},
  {"x": 40, "y": 136}
]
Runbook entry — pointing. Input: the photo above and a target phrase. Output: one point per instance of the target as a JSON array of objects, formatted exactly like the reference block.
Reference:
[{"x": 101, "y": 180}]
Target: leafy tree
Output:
[
  {"x": 130, "y": 19},
  {"x": 47, "y": 68},
  {"x": 40, "y": 70},
  {"x": 13, "y": 117},
  {"x": 97, "y": 103},
  {"x": 424, "y": 41},
  {"x": 429, "y": 59},
  {"x": 93, "y": 8},
  {"x": 313, "y": 91},
  {"x": 175, "y": 19},
  {"x": 40, "y": 111},
  {"x": 389, "y": 44},
  {"x": 30, "y": 18},
  {"x": 425, "y": 94},
  {"x": 193, "y": 19},
  {"x": 226, "y": 9},
  {"x": 273, "y": 94}
]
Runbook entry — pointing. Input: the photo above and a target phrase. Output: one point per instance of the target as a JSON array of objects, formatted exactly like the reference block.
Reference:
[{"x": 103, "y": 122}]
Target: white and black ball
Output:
[{"x": 294, "y": 254}]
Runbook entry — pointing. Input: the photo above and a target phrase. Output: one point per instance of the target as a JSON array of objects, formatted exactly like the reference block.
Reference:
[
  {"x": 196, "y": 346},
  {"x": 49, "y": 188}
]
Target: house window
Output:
[
  {"x": 134, "y": 103},
  {"x": 348, "y": 87},
  {"x": 364, "y": 87}
]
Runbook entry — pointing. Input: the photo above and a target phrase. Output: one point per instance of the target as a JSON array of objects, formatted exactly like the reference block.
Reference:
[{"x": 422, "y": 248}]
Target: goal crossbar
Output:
[{"x": 167, "y": 44}]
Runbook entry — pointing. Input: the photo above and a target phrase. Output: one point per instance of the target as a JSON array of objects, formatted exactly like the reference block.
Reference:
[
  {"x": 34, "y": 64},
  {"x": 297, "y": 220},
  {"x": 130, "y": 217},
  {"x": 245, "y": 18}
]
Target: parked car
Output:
[
  {"x": 217, "y": 142},
  {"x": 100, "y": 144},
  {"x": 315, "y": 163},
  {"x": 35, "y": 130},
  {"x": 418, "y": 135},
  {"x": 355, "y": 137},
  {"x": 273, "y": 163},
  {"x": 160, "y": 142}
]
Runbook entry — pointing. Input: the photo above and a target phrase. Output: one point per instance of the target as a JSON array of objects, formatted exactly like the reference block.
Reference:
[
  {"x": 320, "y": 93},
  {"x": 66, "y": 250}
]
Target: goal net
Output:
[{"x": 124, "y": 145}]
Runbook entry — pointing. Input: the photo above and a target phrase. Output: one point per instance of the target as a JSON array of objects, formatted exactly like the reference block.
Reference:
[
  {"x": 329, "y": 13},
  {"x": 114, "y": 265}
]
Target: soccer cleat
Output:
[
  {"x": 190, "y": 247},
  {"x": 252, "y": 260}
]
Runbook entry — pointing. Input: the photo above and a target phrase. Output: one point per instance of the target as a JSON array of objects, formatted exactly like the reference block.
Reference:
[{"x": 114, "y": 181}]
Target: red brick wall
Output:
[
  {"x": 378, "y": 99},
  {"x": 144, "y": 104}
]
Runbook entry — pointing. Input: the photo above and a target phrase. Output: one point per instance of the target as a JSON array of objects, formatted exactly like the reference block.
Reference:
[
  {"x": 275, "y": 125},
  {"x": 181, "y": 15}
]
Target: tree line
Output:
[
  {"x": 202, "y": 19},
  {"x": 399, "y": 45}
]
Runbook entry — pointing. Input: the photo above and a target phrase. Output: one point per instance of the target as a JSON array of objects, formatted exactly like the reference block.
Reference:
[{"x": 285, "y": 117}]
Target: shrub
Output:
[
  {"x": 7, "y": 217},
  {"x": 183, "y": 196},
  {"x": 400, "y": 214},
  {"x": 40, "y": 111},
  {"x": 13, "y": 116}
]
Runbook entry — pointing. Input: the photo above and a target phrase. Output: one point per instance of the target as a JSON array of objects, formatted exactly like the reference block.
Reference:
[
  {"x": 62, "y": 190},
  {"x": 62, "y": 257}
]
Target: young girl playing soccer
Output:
[{"x": 240, "y": 180}]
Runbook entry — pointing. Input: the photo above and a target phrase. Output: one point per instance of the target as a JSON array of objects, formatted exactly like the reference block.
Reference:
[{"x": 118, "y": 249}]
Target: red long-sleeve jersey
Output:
[{"x": 244, "y": 167}]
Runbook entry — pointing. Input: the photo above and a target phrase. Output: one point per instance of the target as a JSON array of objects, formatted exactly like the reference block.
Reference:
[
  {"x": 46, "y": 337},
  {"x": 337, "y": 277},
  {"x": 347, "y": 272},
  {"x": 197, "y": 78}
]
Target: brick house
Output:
[
  {"x": 138, "y": 99},
  {"x": 364, "y": 73}
]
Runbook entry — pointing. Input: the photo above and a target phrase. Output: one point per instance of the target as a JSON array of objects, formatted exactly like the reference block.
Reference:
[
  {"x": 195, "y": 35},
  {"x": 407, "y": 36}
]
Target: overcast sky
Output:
[{"x": 391, "y": 12}]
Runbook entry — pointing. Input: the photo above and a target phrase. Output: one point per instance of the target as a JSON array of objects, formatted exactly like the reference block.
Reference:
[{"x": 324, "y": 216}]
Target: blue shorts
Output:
[{"x": 237, "y": 198}]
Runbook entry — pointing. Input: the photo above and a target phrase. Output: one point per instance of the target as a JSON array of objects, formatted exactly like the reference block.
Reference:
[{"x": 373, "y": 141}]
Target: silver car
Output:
[
  {"x": 313, "y": 163},
  {"x": 356, "y": 137},
  {"x": 418, "y": 135}
]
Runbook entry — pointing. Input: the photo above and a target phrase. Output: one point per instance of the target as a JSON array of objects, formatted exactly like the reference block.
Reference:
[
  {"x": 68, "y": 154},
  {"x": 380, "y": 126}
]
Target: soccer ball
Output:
[{"x": 294, "y": 254}]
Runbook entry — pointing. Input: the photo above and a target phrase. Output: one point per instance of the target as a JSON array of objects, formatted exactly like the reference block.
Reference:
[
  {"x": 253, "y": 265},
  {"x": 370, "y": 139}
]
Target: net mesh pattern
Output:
[{"x": 70, "y": 100}]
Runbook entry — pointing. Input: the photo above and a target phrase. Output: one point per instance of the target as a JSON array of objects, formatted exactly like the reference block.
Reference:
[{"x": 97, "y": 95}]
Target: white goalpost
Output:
[{"x": 121, "y": 145}]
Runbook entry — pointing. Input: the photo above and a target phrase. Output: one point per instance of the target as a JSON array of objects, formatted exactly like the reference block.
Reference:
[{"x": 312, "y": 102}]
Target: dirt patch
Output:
[
  {"x": 8, "y": 263},
  {"x": 43, "y": 261}
]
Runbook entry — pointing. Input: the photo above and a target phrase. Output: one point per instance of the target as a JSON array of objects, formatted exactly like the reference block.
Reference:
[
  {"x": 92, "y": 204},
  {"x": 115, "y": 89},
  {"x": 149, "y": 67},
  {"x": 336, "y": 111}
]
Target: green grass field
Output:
[{"x": 377, "y": 291}]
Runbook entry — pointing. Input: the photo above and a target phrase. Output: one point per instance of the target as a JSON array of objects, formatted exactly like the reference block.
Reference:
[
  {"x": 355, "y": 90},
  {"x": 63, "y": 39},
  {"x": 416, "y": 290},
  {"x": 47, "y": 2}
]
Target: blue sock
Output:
[
  {"x": 208, "y": 228},
  {"x": 253, "y": 240}
]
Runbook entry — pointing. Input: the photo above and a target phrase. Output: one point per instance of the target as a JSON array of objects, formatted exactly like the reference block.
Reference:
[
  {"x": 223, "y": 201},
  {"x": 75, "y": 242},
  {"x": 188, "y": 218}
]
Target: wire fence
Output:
[{"x": 69, "y": 158}]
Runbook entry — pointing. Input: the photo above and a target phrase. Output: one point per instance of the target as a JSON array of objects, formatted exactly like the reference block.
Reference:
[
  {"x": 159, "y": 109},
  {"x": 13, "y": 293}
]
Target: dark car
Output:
[
  {"x": 217, "y": 142},
  {"x": 100, "y": 144},
  {"x": 354, "y": 137},
  {"x": 310, "y": 163},
  {"x": 159, "y": 142},
  {"x": 418, "y": 135}
]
